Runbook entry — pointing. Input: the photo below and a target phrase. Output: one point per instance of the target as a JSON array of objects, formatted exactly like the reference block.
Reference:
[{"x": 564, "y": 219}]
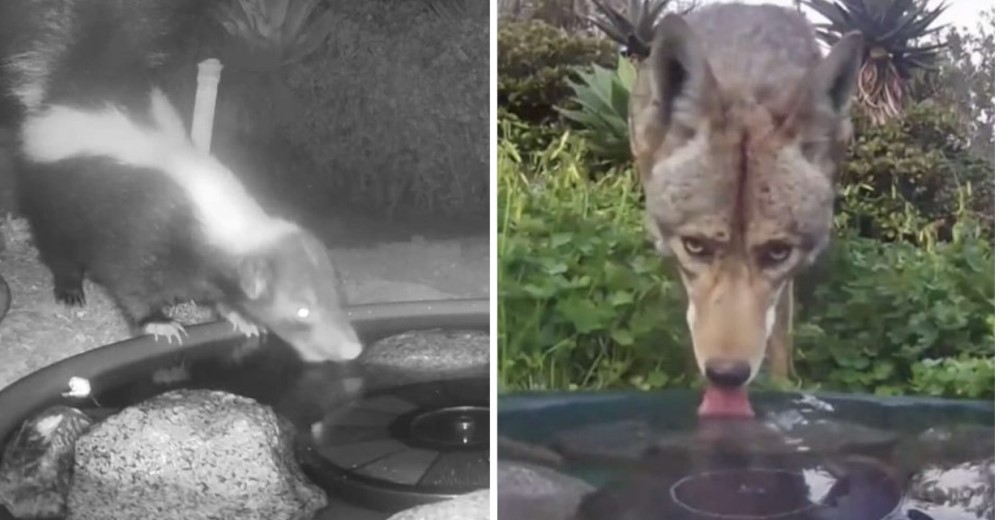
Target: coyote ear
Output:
[
  {"x": 684, "y": 85},
  {"x": 832, "y": 84}
]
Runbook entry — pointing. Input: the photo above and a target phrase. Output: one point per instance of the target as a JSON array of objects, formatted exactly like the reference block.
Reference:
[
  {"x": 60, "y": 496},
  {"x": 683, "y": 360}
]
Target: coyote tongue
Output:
[{"x": 725, "y": 402}]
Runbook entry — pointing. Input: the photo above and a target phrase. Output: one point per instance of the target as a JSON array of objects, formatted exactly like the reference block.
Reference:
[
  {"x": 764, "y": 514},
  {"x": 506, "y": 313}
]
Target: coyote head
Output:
[{"x": 737, "y": 153}]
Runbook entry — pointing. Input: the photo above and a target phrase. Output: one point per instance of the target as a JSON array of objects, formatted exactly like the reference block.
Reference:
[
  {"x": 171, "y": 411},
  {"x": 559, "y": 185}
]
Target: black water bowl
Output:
[
  {"x": 859, "y": 489},
  {"x": 864, "y": 491},
  {"x": 425, "y": 441}
]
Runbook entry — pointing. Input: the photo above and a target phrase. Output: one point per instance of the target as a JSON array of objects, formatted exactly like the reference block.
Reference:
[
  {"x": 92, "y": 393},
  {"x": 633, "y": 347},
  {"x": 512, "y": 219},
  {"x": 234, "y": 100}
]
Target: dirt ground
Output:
[{"x": 380, "y": 263}]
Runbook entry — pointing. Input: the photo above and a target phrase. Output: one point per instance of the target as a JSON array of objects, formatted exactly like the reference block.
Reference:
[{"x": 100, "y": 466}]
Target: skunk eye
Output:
[
  {"x": 697, "y": 247},
  {"x": 774, "y": 253}
]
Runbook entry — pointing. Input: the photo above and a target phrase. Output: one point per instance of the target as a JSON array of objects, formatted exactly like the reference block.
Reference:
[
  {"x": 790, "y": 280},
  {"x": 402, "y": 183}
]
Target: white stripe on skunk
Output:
[{"x": 231, "y": 218}]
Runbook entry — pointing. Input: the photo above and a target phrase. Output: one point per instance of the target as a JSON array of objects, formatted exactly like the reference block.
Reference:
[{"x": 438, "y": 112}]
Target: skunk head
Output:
[{"x": 292, "y": 288}]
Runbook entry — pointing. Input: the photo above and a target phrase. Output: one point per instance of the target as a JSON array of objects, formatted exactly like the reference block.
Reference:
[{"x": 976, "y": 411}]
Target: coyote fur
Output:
[{"x": 737, "y": 126}]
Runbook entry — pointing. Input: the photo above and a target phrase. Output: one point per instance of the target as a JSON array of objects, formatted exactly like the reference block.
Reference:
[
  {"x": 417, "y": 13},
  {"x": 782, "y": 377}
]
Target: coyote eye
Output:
[
  {"x": 774, "y": 253},
  {"x": 696, "y": 247}
]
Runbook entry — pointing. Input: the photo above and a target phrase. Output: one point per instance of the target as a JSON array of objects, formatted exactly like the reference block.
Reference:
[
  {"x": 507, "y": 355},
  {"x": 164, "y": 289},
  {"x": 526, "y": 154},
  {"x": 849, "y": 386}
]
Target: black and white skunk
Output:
[{"x": 114, "y": 191}]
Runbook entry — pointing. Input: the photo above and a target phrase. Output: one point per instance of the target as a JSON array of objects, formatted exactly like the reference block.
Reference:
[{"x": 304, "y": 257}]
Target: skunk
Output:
[{"x": 114, "y": 191}]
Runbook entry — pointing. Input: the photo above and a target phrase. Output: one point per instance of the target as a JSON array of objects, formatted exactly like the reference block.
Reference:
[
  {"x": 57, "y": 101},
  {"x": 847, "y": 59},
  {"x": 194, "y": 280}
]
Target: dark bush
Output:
[
  {"x": 906, "y": 179},
  {"x": 534, "y": 62}
]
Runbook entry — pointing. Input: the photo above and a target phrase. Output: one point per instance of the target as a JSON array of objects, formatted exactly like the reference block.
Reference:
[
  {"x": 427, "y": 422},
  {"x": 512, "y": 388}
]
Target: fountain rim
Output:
[{"x": 43, "y": 387}]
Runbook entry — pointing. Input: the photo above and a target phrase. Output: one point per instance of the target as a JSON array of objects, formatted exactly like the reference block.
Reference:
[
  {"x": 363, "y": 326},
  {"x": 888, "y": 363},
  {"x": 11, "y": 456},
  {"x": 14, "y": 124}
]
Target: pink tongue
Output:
[{"x": 725, "y": 402}]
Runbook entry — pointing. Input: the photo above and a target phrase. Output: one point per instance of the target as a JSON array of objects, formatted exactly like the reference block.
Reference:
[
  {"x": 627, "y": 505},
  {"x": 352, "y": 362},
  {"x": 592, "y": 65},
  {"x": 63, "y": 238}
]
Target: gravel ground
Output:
[{"x": 37, "y": 331}]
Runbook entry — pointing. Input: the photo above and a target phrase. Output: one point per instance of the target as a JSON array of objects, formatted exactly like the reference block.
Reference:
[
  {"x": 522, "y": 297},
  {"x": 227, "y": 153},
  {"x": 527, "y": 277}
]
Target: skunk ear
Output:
[{"x": 256, "y": 277}]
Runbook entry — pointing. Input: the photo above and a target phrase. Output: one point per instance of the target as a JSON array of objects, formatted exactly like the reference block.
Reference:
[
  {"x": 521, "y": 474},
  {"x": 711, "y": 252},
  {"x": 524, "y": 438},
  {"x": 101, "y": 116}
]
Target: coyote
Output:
[{"x": 737, "y": 128}]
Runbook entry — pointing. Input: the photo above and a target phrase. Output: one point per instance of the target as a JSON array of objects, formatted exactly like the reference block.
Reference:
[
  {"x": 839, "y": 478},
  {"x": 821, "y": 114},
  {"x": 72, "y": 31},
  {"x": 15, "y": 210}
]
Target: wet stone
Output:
[
  {"x": 968, "y": 487},
  {"x": 956, "y": 471},
  {"x": 471, "y": 506},
  {"x": 37, "y": 463},
  {"x": 191, "y": 455},
  {"x": 427, "y": 355},
  {"x": 531, "y": 492}
]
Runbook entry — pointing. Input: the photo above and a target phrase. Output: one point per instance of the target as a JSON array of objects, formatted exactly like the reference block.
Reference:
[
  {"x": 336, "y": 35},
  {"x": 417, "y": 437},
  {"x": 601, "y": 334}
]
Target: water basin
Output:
[{"x": 805, "y": 457}]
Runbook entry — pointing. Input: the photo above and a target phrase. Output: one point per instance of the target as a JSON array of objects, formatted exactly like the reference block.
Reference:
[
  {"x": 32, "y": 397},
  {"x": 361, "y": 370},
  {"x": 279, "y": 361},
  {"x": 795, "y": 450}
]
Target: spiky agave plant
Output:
[
  {"x": 261, "y": 38},
  {"x": 894, "y": 31},
  {"x": 634, "y": 29},
  {"x": 275, "y": 32},
  {"x": 601, "y": 96}
]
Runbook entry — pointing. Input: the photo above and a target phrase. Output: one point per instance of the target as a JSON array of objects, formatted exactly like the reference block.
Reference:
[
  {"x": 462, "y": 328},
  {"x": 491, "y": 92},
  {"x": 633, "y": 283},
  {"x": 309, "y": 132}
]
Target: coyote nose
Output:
[{"x": 727, "y": 373}]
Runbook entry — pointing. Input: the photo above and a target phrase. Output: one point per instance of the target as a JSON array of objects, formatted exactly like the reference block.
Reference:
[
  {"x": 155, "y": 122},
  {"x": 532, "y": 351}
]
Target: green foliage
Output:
[
  {"x": 527, "y": 138},
  {"x": 602, "y": 98},
  {"x": 534, "y": 61},
  {"x": 906, "y": 179},
  {"x": 885, "y": 308},
  {"x": 582, "y": 302},
  {"x": 963, "y": 376},
  {"x": 585, "y": 302},
  {"x": 964, "y": 80}
]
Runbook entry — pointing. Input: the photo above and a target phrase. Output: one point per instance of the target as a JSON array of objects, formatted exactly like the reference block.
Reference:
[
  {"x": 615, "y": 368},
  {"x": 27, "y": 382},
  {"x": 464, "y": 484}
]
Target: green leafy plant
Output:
[
  {"x": 583, "y": 303},
  {"x": 534, "y": 61},
  {"x": 964, "y": 376},
  {"x": 602, "y": 96},
  {"x": 908, "y": 179},
  {"x": 884, "y": 308}
]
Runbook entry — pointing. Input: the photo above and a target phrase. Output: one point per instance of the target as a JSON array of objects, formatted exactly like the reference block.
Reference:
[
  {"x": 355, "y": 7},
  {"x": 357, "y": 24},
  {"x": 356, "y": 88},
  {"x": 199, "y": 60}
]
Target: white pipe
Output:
[{"x": 204, "y": 103}]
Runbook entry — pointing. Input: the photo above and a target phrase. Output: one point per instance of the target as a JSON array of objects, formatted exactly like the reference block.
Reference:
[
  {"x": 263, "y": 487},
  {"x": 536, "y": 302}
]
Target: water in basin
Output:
[{"x": 804, "y": 457}]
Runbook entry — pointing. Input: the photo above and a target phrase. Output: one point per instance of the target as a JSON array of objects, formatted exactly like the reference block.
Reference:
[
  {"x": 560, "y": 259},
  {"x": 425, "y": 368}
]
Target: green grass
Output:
[{"x": 582, "y": 303}]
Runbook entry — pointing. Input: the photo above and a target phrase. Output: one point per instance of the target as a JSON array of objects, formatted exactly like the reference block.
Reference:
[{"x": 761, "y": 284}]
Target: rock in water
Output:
[
  {"x": 426, "y": 355},
  {"x": 472, "y": 506},
  {"x": 954, "y": 473},
  {"x": 531, "y": 492},
  {"x": 191, "y": 455},
  {"x": 37, "y": 463},
  {"x": 968, "y": 488}
]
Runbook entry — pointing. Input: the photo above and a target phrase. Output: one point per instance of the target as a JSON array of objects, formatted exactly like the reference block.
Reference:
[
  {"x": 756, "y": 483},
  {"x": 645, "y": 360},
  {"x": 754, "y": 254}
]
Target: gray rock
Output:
[
  {"x": 968, "y": 487},
  {"x": 191, "y": 455},
  {"x": 37, "y": 463},
  {"x": 472, "y": 506},
  {"x": 529, "y": 492},
  {"x": 952, "y": 470},
  {"x": 920, "y": 510},
  {"x": 427, "y": 355}
]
